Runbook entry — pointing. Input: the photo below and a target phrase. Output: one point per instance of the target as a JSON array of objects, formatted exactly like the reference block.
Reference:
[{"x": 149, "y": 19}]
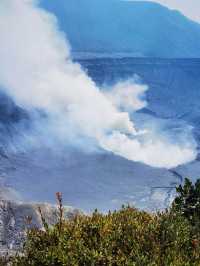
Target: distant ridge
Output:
[{"x": 143, "y": 29}]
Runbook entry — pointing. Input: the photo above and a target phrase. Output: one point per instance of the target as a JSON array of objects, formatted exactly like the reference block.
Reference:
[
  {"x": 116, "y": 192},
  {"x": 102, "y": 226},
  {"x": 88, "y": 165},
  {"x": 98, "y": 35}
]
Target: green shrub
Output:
[
  {"x": 127, "y": 237},
  {"x": 187, "y": 202},
  {"x": 4, "y": 260}
]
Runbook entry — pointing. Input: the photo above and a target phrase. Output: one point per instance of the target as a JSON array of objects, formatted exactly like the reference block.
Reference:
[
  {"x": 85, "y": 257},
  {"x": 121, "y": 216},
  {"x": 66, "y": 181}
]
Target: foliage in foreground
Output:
[{"x": 125, "y": 237}]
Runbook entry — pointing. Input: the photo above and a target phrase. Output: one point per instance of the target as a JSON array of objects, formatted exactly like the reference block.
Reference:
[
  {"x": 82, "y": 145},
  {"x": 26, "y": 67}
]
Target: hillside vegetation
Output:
[
  {"x": 137, "y": 28},
  {"x": 125, "y": 237}
]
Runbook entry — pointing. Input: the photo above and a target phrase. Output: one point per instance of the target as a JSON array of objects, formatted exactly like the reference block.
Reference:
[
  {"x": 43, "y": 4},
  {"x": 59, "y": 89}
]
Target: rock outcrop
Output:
[{"x": 16, "y": 218}]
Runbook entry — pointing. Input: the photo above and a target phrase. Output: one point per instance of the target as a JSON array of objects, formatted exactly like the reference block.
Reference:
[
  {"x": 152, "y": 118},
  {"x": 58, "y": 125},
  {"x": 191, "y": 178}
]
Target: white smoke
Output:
[
  {"x": 128, "y": 95},
  {"x": 36, "y": 69}
]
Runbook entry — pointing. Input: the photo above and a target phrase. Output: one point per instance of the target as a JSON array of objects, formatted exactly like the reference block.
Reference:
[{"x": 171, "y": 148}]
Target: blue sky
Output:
[{"x": 190, "y": 8}]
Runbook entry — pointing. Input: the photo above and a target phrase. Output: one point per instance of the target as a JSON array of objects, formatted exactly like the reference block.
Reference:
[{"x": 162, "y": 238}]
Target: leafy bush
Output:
[
  {"x": 127, "y": 237},
  {"x": 187, "y": 203},
  {"x": 4, "y": 261}
]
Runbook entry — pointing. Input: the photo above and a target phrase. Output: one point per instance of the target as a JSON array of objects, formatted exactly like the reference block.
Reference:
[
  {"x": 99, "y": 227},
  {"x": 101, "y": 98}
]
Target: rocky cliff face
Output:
[{"x": 15, "y": 220}]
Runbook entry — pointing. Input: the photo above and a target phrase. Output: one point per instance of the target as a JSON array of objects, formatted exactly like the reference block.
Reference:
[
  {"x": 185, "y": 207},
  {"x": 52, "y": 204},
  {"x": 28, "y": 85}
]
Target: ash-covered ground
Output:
[{"x": 94, "y": 178}]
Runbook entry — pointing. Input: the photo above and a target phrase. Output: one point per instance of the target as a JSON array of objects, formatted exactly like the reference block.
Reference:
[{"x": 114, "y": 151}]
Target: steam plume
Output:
[{"x": 37, "y": 71}]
